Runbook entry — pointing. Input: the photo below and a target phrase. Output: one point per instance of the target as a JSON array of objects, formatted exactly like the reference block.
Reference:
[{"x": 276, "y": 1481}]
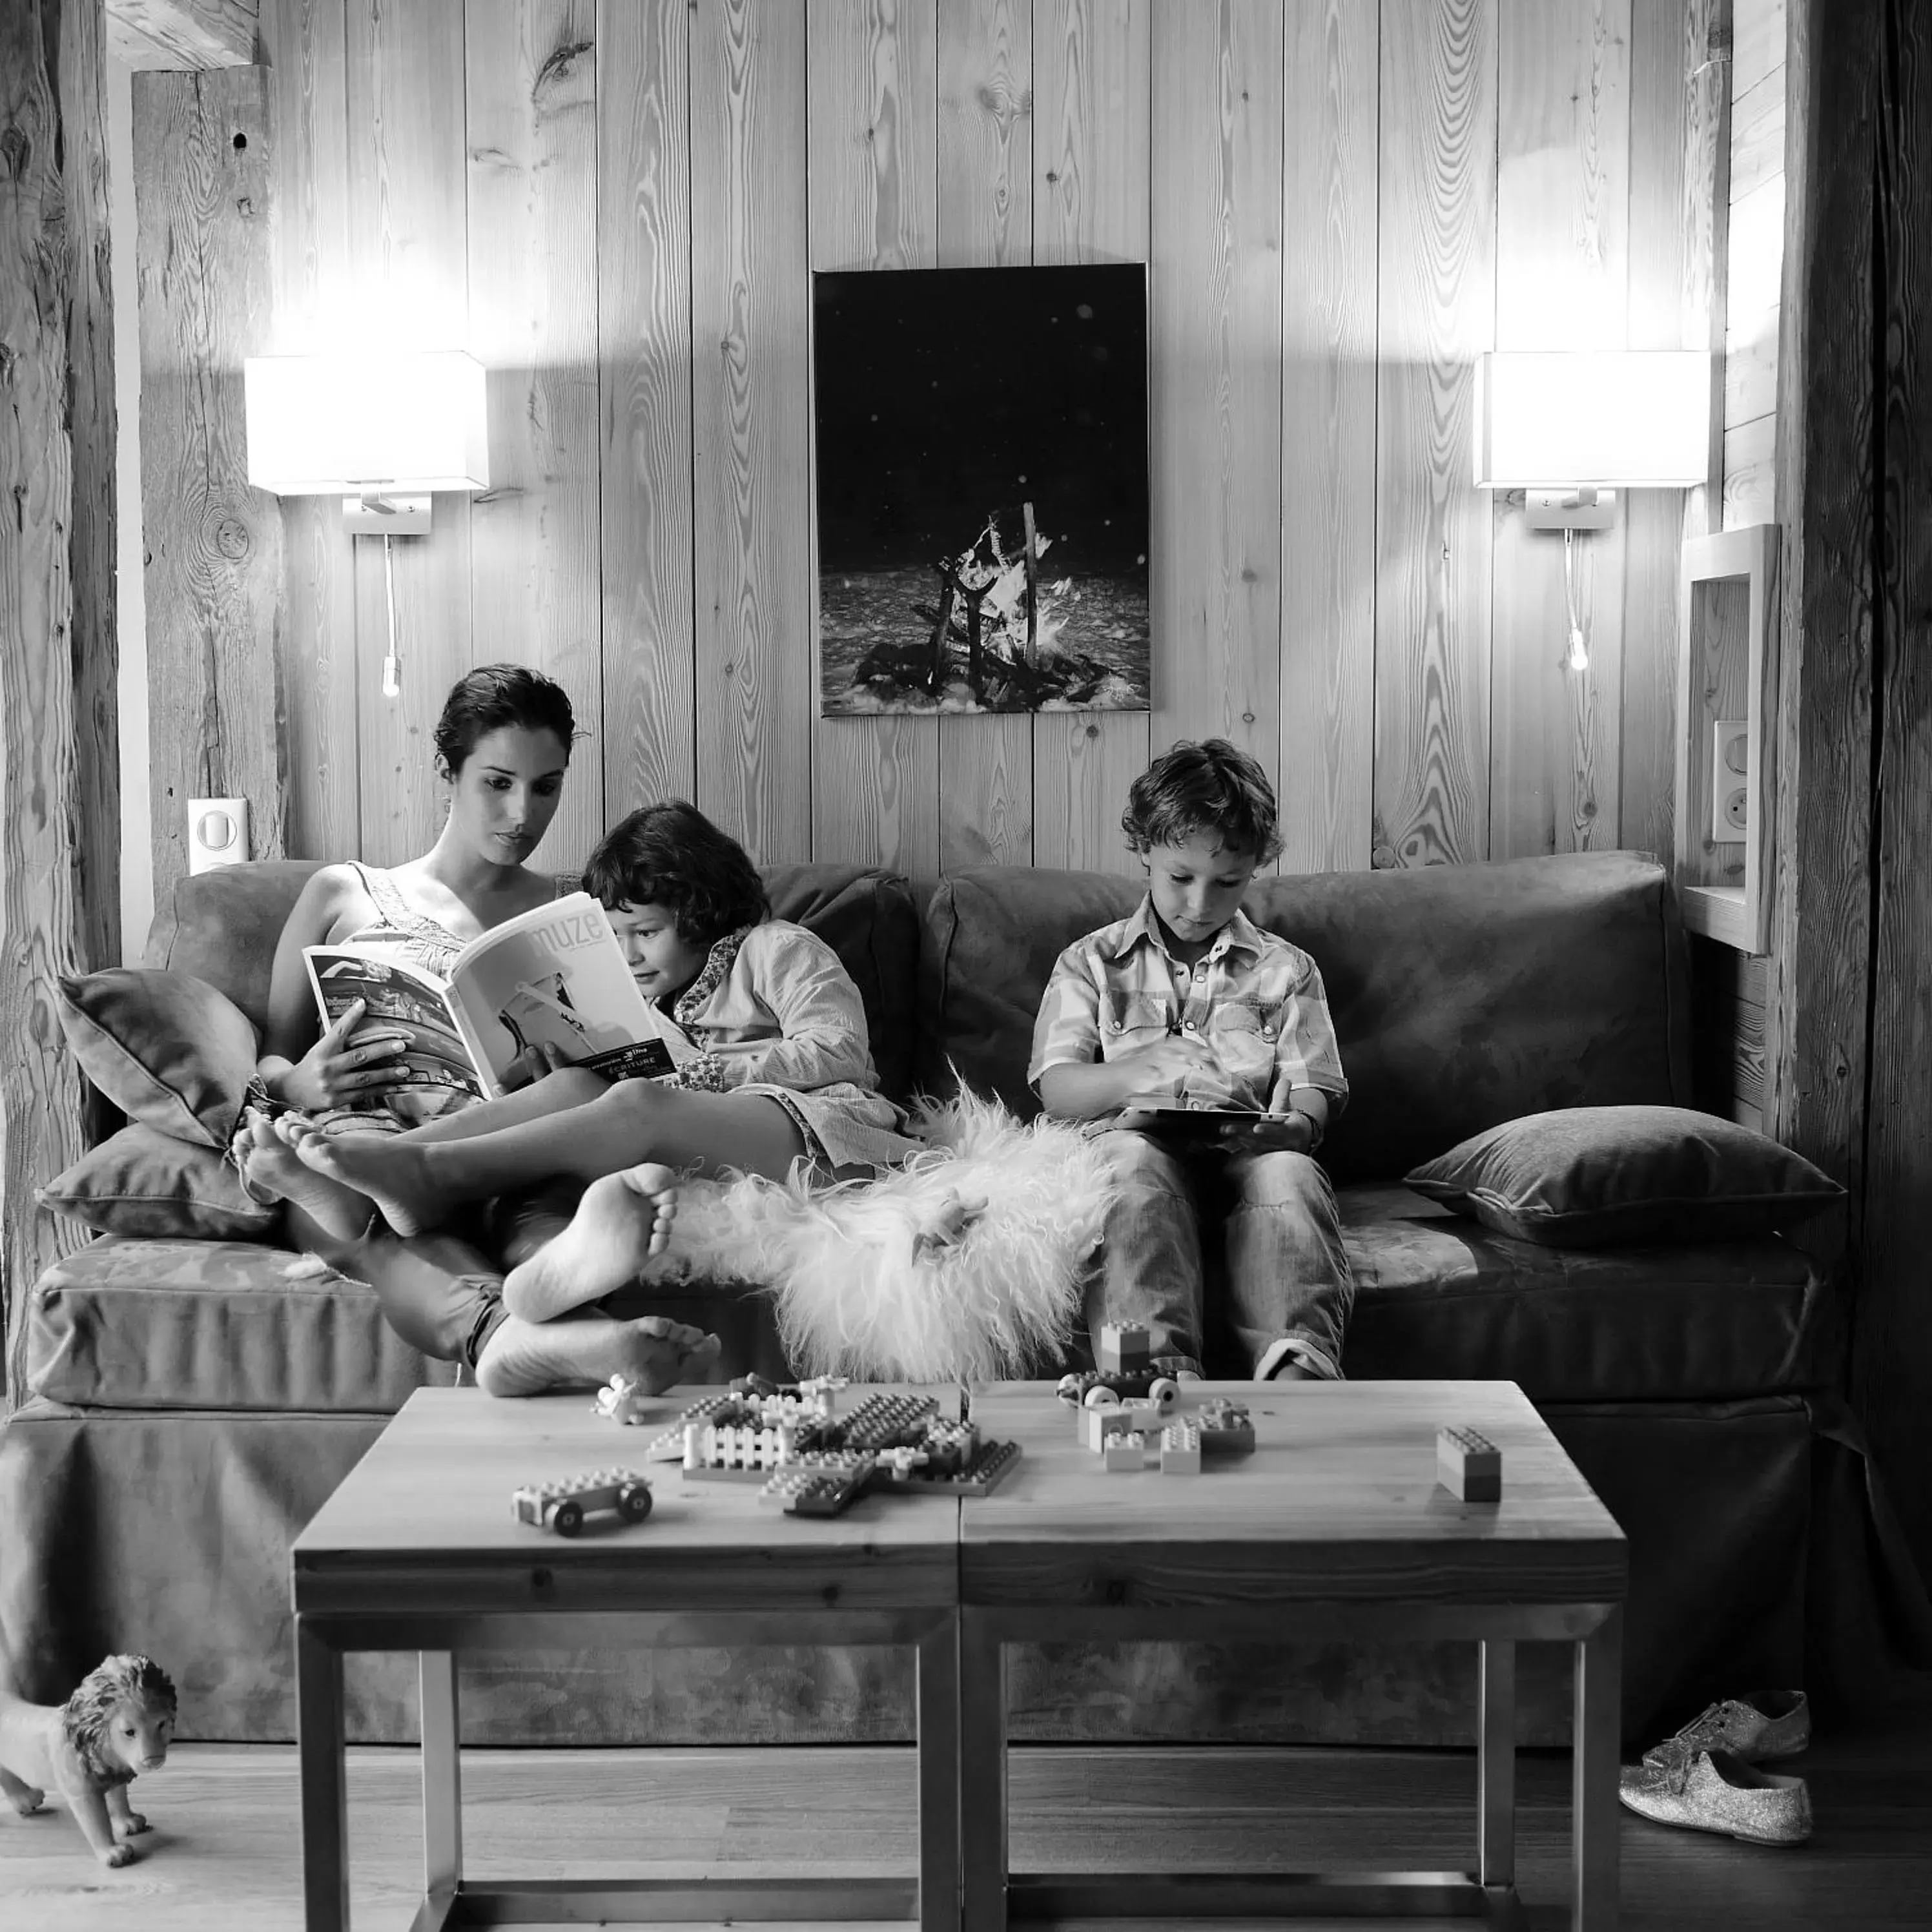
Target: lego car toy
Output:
[{"x": 563, "y": 1506}]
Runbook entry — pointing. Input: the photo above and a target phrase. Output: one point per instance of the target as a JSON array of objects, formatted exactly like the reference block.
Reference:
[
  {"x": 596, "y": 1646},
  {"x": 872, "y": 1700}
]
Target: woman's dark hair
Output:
[
  {"x": 493, "y": 697},
  {"x": 1212, "y": 787},
  {"x": 671, "y": 855}
]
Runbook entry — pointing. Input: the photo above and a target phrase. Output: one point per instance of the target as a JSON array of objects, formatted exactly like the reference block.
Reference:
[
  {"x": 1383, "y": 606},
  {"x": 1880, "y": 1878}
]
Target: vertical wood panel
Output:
[
  {"x": 986, "y": 221},
  {"x": 304, "y": 42},
  {"x": 750, "y": 307},
  {"x": 1092, "y": 89},
  {"x": 408, "y": 283},
  {"x": 534, "y": 538},
  {"x": 1654, "y": 518},
  {"x": 1331, "y": 86},
  {"x": 1215, "y": 400},
  {"x": 873, "y": 170},
  {"x": 644, "y": 355},
  {"x": 1892, "y": 1360},
  {"x": 1436, "y": 241},
  {"x": 40, "y": 916},
  {"x": 1562, "y": 282},
  {"x": 92, "y": 540},
  {"x": 202, "y": 185}
]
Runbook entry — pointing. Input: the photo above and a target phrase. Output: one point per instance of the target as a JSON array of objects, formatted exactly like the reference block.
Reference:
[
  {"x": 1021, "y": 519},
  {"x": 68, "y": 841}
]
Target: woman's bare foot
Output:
[
  {"x": 389, "y": 1171},
  {"x": 527, "y": 1357},
  {"x": 621, "y": 1221},
  {"x": 270, "y": 1168}
]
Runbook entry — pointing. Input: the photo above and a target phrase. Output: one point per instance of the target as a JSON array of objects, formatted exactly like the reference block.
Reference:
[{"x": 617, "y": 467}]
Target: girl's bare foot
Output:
[
  {"x": 621, "y": 1221},
  {"x": 527, "y": 1357},
  {"x": 390, "y": 1172},
  {"x": 269, "y": 1167}
]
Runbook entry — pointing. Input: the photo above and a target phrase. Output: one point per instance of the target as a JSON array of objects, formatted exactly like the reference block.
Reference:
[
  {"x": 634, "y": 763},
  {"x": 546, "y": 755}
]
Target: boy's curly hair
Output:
[
  {"x": 671, "y": 855},
  {"x": 1211, "y": 787}
]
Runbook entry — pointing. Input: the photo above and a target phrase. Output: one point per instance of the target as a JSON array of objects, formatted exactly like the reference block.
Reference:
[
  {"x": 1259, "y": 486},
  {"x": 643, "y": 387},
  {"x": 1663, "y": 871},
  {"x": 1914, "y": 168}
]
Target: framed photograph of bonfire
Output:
[{"x": 982, "y": 444}]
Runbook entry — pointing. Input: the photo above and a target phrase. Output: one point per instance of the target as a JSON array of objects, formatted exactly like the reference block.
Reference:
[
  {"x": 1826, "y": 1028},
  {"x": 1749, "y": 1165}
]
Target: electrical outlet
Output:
[
  {"x": 217, "y": 832},
  {"x": 1730, "y": 780}
]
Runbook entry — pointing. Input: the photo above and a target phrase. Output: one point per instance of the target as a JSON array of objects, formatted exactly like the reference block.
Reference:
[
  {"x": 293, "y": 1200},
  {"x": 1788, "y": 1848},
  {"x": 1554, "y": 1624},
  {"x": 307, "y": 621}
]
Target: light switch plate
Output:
[
  {"x": 1730, "y": 780},
  {"x": 217, "y": 832}
]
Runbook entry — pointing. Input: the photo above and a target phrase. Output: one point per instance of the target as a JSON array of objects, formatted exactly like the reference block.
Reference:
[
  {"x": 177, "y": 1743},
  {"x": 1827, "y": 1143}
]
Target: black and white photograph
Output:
[{"x": 981, "y": 436}]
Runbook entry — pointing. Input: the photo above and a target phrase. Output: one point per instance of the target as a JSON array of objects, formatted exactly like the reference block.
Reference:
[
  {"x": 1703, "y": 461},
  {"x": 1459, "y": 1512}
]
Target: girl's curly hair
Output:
[{"x": 671, "y": 855}]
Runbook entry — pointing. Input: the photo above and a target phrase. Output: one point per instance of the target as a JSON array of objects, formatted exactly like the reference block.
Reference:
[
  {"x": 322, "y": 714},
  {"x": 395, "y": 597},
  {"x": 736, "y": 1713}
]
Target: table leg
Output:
[
  {"x": 1595, "y": 1826},
  {"x": 442, "y": 1775},
  {"x": 1495, "y": 1775},
  {"x": 982, "y": 1774},
  {"x": 325, "y": 1817},
  {"x": 938, "y": 1718}
]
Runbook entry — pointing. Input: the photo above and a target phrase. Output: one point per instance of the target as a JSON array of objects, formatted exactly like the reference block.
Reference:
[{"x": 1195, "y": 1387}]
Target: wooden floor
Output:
[{"x": 224, "y": 1856}]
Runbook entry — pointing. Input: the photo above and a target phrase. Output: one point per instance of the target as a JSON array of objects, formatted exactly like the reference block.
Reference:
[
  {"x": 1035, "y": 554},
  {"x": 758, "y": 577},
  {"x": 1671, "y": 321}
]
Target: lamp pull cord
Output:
[
  {"x": 1577, "y": 656},
  {"x": 392, "y": 683}
]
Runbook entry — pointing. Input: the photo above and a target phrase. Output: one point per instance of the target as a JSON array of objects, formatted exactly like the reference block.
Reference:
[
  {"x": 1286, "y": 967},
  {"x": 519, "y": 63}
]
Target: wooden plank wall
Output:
[
  {"x": 1754, "y": 259},
  {"x": 617, "y": 206},
  {"x": 59, "y": 882}
]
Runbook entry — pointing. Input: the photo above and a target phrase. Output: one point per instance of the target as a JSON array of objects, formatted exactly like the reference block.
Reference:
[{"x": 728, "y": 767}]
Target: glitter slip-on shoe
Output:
[
  {"x": 1763, "y": 1724},
  {"x": 1717, "y": 1791}
]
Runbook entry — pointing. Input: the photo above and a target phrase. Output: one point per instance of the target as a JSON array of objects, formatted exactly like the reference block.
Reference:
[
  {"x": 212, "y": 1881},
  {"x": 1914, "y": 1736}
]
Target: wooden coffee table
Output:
[
  {"x": 1335, "y": 1528},
  {"x": 417, "y": 1550}
]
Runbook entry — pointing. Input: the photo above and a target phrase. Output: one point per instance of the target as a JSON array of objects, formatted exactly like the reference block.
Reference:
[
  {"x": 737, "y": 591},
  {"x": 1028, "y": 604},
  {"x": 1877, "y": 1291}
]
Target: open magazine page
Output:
[
  {"x": 556, "y": 978},
  {"x": 405, "y": 1003}
]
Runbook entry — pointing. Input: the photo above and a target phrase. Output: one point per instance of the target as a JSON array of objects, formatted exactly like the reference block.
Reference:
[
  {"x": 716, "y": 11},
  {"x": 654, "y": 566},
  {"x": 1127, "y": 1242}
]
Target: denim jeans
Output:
[{"x": 1288, "y": 1279}]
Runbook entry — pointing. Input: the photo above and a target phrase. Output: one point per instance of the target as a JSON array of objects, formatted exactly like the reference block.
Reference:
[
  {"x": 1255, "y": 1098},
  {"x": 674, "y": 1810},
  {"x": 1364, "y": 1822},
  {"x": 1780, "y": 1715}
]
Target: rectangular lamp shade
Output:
[
  {"x": 1608, "y": 420},
  {"x": 343, "y": 424}
]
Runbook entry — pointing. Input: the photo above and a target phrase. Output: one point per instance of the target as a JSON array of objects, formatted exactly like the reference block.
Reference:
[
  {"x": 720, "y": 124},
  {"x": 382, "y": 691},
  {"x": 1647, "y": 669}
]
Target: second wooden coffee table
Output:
[{"x": 1334, "y": 1529}]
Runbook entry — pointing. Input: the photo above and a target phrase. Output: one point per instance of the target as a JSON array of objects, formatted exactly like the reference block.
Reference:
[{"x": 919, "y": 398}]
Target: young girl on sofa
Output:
[
  {"x": 502, "y": 747},
  {"x": 783, "y": 1073}
]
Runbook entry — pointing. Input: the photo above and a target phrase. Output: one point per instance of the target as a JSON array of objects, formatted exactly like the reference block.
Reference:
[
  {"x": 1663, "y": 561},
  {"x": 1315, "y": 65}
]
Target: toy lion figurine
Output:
[{"x": 117, "y": 1724}]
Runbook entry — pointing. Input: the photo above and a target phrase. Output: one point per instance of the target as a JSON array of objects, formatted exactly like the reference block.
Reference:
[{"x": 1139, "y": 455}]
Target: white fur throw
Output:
[{"x": 963, "y": 1264}]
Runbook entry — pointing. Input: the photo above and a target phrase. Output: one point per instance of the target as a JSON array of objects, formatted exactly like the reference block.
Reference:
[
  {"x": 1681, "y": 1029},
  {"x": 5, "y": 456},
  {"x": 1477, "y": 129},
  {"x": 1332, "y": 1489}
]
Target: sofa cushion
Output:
[
  {"x": 1462, "y": 995},
  {"x": 165, "y": 1325},
  {"x": 1438, "y": 1294},
  {"x": 1593, "y": 1176},
  {"x": 139, "y": 1182},
  {"x": 168, "y": 1048},
  {"x": 223, "y": 925}
]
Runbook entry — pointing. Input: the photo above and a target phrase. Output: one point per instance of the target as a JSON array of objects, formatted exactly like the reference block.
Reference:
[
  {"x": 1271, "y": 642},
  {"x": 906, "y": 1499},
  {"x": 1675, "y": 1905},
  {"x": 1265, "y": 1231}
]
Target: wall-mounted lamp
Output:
[
  {"x": 1571, "y": 430},
  {"x": 380, "y": 430}
]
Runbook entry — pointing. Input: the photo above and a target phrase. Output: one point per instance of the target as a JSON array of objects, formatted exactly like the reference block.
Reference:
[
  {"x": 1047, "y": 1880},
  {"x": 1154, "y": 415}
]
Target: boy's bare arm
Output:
[{"x": 1073, "y": 1091}]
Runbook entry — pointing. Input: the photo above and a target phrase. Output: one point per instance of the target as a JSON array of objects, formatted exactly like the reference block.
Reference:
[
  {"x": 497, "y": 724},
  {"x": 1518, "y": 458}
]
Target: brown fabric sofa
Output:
[{"x": 182, "y": 1407}]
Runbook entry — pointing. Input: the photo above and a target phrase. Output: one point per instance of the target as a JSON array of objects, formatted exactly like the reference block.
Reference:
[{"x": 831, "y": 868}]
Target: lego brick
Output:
[
  {"x": 992, "y": 1463},
  {"x": 1126, "y": 1451},
  {"x": 1226, "y": 1428},
  {"x": 800, "y": 1491},
  {"x": 1122, "y": 1347},
  {"x": 1469, "y": 1466},
  {"x": 1181, "y": 1450}
]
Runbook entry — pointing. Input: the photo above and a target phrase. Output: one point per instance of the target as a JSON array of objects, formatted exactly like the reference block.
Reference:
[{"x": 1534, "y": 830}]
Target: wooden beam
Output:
[
  {"x": 203, "y": 174},
  {"x": 151, "y": 35},
  {"x": 1892, "y": 1366},
  {"x": 56, "y": 596},
  {"x": 1821, "y": 926}
]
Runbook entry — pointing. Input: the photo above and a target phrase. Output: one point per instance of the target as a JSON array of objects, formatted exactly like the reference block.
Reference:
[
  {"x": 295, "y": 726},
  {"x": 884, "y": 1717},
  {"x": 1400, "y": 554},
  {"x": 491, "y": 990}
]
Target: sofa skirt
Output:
[{"x": 96, "y": 1505}]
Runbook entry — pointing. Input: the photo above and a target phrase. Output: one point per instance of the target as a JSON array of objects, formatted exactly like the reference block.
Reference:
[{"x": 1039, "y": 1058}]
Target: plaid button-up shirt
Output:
[{"x": 1256, "y": 1001}]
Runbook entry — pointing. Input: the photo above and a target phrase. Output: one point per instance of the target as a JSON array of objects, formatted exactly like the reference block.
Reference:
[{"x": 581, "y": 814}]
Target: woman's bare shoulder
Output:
[{"x": 327, "y": 894}]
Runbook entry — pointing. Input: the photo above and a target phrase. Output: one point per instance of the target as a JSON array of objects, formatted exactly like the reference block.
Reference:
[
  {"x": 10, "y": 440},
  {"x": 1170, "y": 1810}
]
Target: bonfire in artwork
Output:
[{"x": 995, "y": 628}]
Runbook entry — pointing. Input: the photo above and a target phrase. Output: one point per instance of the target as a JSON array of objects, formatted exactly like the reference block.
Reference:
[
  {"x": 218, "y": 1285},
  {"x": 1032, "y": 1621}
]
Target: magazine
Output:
[{"x": 552, "y": 978}]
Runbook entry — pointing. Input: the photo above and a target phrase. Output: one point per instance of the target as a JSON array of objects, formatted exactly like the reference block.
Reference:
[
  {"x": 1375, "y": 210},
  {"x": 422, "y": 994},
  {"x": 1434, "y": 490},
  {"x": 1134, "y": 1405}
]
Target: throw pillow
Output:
[
  {"x": 142, "y": 1183},
  {"x": 1590, "y": 1177},
  {"x": 170, "y": 1050}
]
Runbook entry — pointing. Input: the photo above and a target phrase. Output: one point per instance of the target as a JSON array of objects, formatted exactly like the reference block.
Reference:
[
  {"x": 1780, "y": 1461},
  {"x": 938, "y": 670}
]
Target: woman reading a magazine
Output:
[
  {"x": 502, "y": 746},
  {"x": 775, "y": 1068}
]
